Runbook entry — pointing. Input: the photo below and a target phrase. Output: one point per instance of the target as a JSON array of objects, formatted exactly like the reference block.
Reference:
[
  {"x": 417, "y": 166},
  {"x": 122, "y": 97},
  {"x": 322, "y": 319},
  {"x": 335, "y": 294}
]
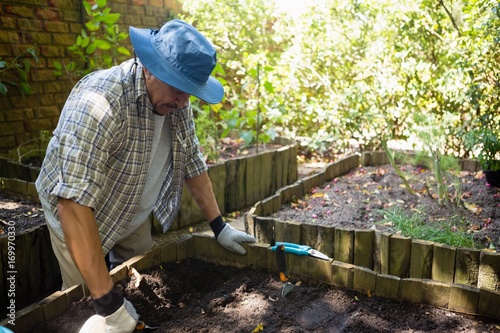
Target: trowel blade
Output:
[{"x": 287, "y": 287}]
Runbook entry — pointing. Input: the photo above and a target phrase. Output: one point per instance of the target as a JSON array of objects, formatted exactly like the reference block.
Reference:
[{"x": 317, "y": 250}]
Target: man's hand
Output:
[
  {"x": 122, "y": 320},
  {"x": 120, "y": 314},
  {"x": 229, "y": 237}
]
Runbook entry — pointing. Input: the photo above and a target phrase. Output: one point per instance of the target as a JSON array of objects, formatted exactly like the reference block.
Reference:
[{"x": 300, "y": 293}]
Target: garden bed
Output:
[
  {"x": 361, "y": 198},
  {"x": 195, "y": 296}
]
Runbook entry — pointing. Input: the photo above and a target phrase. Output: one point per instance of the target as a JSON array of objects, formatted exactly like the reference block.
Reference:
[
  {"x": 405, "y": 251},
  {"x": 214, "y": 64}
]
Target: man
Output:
[{"x": 124, "y": 144}]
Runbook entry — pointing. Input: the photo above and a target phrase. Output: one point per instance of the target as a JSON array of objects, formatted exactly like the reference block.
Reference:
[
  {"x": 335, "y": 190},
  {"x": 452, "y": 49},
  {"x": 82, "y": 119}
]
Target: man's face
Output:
[{"x": 164, "y": 97}]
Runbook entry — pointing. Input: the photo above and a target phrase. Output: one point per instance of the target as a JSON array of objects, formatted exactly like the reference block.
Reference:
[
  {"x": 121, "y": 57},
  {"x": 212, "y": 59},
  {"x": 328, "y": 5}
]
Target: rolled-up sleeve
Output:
[{"x": 83, "y": 146}]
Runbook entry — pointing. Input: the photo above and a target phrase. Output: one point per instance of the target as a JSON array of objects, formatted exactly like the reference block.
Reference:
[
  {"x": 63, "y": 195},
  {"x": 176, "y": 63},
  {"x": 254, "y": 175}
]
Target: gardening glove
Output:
[
  {"x": 229, "y": 237},
  {"x": 95, "y": 324},
  {"x": 120, "y": 314}
]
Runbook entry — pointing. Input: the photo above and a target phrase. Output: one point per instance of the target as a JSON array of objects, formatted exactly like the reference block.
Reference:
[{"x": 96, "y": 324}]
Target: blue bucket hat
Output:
[{"x": 180, "y": 56}]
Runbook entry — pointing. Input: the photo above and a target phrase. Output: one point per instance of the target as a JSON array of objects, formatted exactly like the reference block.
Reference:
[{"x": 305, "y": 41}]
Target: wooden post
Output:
[
  {"x": 264, "y": 229},
  {"x": 288, "y": 231},
  {"x": 443, "y": 263},
  {"x": 326, "y": 240},
  {"x": 235, "y": 184},
  {"x": 489, "y": 271},
  {"x": 387, "y": 286},
  {"x": 343, "y": 247},
  {"x": 382, "y": 252},
  {"x": 217, "y": 174},
  {"x": 467, "y": 266},
  {"x": 364, "y": 241},
  {"x": 400, "y": 254},
  {"x": 421, "y": 259},
  {"x": 464, "y": 298}
]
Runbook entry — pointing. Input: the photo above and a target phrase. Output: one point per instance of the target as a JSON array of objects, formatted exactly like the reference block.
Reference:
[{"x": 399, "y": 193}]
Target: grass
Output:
[{"x": 414, "y": 226}]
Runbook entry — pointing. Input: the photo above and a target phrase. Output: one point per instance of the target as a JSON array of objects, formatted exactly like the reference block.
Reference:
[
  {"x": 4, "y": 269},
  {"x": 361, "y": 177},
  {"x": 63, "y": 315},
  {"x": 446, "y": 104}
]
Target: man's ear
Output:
[{"x": 147, "y": 73}]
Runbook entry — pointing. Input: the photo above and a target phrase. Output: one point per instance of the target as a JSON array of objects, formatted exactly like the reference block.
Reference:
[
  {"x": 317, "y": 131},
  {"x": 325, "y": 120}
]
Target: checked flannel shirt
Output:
[{"x": 101, "y": 149}]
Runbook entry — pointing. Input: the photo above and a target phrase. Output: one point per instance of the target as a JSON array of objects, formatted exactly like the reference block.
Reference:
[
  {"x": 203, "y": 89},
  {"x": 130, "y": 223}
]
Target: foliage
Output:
[
  {"x": 486, "y": 139},
  {"x": 98, "y": 45},
  {"x": 248, "y": 48},
  {"x": 414, "y": 225},
  {"x": 342, "y": 75},
  {"x": 21, "y": 69}
]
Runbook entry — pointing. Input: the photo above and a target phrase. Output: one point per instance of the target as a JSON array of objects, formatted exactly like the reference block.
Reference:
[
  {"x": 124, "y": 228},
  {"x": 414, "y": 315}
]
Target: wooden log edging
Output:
[
  {"x": 459, "y": 279},
  {"x": 452, "y": 296}
]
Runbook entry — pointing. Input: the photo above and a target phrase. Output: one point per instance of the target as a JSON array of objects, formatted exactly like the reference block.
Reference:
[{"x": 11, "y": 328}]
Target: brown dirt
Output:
[
  {"x": 195, "y": 296},
  {"x": 24, "y": 213},
  {"x": 355, "y": 200}
]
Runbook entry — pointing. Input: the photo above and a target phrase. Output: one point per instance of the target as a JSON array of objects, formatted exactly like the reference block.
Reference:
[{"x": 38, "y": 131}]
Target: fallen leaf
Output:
[
  {"x": 318, "y": 195},
  {"x": 473, "y": 208},
  {"x": 259, "y": 328}
]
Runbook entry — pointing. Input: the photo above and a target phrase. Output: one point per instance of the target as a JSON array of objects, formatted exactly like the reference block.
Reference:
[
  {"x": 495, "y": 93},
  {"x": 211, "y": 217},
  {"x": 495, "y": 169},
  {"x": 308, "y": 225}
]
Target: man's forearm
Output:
[
  {"x": 84, "y": 244},
  {"x": 202, "y": 192}
]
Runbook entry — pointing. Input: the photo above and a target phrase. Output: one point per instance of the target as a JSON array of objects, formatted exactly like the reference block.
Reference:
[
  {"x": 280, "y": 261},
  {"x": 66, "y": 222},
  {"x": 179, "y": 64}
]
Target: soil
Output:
[
  {"x": 361, "y": 198},
  {"x": 26, "y": 214},
  {"x": 196, "y": 296}
]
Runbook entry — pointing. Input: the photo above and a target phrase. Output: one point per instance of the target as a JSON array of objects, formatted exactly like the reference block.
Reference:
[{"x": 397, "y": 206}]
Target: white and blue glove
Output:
[
  {"x": 229, "y": 237},
  {"x": 114, "y": 315}
]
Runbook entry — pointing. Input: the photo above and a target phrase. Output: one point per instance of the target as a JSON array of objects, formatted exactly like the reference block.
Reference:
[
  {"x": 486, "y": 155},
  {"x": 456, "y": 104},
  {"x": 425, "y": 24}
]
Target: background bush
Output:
[{"x": 344, "y": 75}]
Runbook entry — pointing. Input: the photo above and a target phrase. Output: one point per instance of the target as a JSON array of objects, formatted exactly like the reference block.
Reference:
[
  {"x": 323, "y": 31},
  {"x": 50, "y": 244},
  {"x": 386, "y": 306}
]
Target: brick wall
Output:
[{"x": 50, "y": 26}]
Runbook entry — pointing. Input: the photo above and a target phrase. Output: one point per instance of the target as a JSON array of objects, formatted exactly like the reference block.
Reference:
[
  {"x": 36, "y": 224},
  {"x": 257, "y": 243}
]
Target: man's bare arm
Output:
[{"x": 84, "y": 244}]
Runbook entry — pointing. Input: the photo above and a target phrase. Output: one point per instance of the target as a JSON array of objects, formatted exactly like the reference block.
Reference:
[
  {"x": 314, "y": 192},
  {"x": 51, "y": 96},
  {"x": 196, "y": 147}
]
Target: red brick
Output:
[
  {"x": 64, "y": 39},
  {"x": 30, "y": 25},
  {"x": 8, "y": 37},
  {"x": 21, "y": 11},
  {"x": 10, "y": 128},
  {"x": 156, "y": 3},
  {"x": 56, "y": 27},
  {"x": 8, "y": 23},
  {"x": 48, "y": 14},
  {"x": 52, "y": 51}
]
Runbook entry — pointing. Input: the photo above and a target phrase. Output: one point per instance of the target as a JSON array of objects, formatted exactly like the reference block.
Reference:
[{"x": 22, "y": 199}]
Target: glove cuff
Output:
[
  {"x": 217, "y": 225},
  {"x": 109, "y": 303}
]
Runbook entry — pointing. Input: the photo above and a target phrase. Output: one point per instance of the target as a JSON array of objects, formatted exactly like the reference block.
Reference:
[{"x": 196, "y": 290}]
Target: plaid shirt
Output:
[{"x": 101, "y": 149}]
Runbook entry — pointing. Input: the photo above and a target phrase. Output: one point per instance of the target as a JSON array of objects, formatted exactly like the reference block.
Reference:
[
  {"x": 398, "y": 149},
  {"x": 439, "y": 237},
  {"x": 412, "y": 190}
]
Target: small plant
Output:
[
  {"x": 415, "y": 226},
  {"x": 486, "y": 141},
  {"x": 22, "y": 70},
  {"x": 98, "y": 45}
]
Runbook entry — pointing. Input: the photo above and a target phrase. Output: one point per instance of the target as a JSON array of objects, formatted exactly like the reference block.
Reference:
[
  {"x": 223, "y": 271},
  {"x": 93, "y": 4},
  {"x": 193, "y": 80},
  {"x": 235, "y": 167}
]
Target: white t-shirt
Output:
[{"x": 157, "y": 171}]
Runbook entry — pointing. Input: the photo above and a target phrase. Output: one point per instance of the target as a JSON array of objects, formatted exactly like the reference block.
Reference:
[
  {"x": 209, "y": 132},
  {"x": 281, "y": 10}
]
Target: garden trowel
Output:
[{"x": 284, "y": 276}]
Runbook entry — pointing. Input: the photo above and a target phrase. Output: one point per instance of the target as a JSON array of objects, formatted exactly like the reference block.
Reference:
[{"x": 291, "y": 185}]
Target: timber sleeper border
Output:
[{"x": 455, "y": 297}]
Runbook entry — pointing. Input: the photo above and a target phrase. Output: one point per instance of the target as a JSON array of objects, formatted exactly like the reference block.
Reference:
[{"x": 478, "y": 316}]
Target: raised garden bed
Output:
[
  {"x": 380, "y": 262},
  {"x": 188, "y": 286},
  {"x": 237, "y": 183}
]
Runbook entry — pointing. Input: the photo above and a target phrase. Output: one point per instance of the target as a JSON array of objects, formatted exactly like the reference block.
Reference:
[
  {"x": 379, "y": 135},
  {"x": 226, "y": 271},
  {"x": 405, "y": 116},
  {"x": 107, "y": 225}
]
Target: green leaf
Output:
[
  {"x": 102, "y": 44},
  {"x": 27, "y": 65},
  {"x": 123, "y": 50},
  {"x": 269, "y": 87},
  {"x": 57, "y": 65},
  {"x": 85, "y": 42},
  {"x": 3, "y": 89},
  {"x": 91, "y": 26},
  {"x": 111, "y": 19},
  {"x": 247, "y": 136},
  {"x": 23, "y": 75},
  {"x": 122, "y": 36},
  {"x": 101, "y": 3},
  {"x": 91, "y": 48},
  {"x": 25, "y": 88},
  {"x": 2, "y": 64},
  {"x": 88, "y": 7}
]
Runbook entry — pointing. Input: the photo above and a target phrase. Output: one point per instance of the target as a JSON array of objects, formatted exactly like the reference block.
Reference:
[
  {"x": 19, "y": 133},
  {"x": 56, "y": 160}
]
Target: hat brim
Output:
[{"x": 211, "y": 92}]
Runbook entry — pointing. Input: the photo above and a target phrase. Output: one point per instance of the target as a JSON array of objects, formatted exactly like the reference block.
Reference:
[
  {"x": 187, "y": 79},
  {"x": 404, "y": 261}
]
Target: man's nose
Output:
[{"x": 182, "y": 99}]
